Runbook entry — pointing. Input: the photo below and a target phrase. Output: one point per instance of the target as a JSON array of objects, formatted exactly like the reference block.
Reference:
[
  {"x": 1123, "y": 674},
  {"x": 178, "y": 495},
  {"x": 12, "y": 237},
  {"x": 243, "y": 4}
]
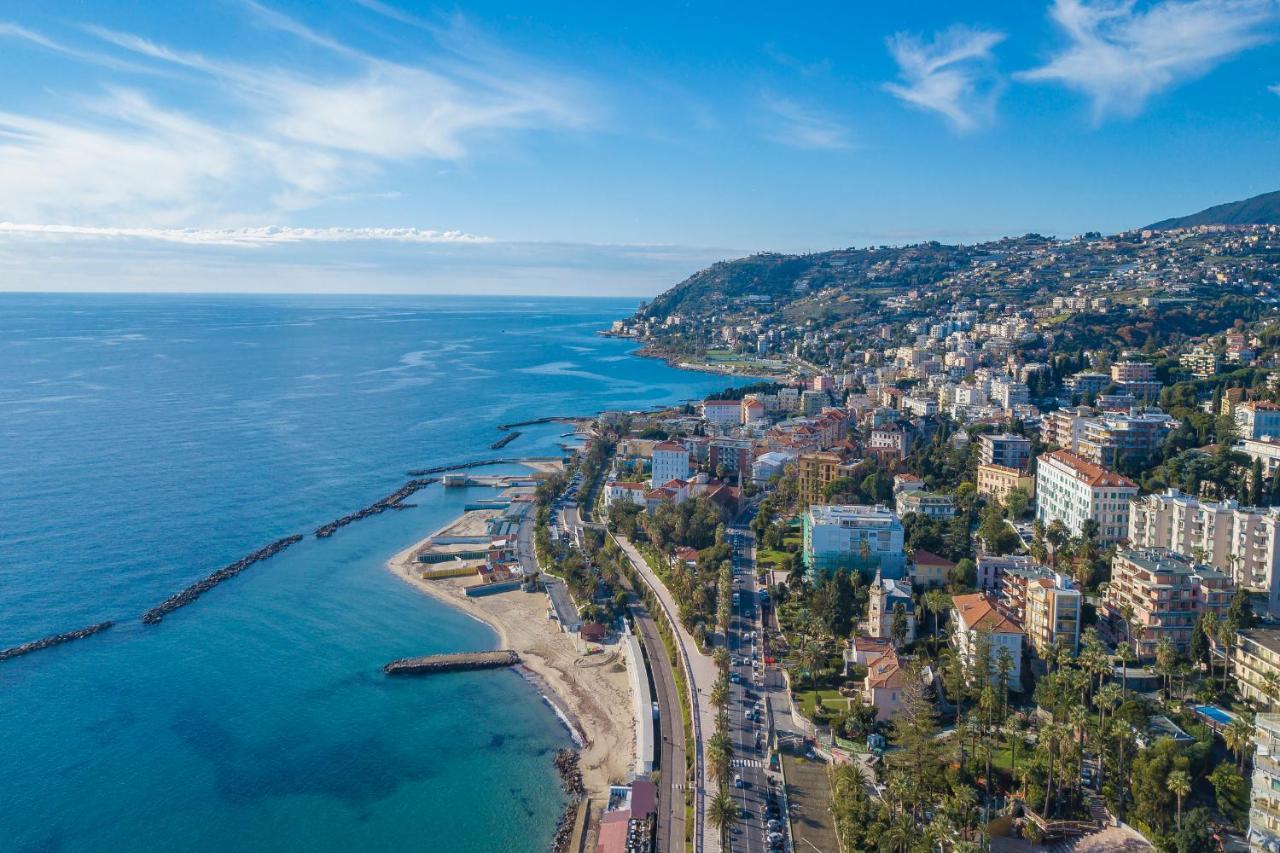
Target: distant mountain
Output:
[{"x": 1260, "y": 210}]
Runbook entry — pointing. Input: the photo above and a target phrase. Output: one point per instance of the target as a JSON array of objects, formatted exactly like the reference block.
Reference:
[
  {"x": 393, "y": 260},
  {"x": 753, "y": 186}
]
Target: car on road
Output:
[{"x": 737, "y": 781}]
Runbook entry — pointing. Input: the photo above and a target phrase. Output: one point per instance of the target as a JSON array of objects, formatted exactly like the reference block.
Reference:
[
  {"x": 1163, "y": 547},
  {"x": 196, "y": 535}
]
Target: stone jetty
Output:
[
  {"x": 553, "y": 419},
  {"x": 430, "y": 664},
  {"x": 191, "y": 593},
  {"x": 566, "y": 762},
  {"x": 54, "y": 640},
  {"x": 505, "y": 440},
  {"x": 395, "y": 500},
  {"x": 459, "y": 466}
]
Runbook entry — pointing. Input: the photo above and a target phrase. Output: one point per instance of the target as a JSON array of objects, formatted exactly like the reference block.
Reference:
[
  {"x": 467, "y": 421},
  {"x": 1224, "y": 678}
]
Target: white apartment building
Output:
[
  {"x": 722, "y": 413},
  {"x": 670, "y": 462},
  {"x": 853, "y": 536},
  {"x": 1071, "y": 490},
  {"x": 1241, "y": 542},
  {"x": 1265, "y": 450},
  {"x": 1257, "y": 418}
]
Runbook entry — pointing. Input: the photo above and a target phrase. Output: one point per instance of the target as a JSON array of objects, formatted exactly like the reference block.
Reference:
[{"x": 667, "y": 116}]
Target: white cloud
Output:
[
  {"x": 1275, "y": 88},
  {"x": 1120, "y": 56},
  {"x": 249, "y": 237},
  {"x": 267, "y": 140},
  {"x": 802, "y": 127},
  {"x": 952, "y": 75}
]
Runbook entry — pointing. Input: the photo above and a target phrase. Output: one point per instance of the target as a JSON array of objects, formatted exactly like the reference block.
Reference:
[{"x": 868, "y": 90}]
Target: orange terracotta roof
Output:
[
  {"x": 978, "y": 612},
  {"x": 1094, "y": 475},
  {"x": 922, "y": 557},
  {"x": 885, "y": 672}
]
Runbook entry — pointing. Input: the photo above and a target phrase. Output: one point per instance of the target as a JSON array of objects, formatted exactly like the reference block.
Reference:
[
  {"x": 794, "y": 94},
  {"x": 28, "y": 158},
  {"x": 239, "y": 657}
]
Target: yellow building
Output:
[
  {"x": 816, "y": 471},
  {"x": 1255, "y": 658},
  {"x": 997, "y": 481}
]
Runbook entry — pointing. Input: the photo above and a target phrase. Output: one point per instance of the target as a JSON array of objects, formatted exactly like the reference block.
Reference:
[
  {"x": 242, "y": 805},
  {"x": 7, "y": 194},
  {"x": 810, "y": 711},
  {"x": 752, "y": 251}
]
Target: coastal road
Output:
[
  {"x": 750, "y": 708},
  {"x": 703, "y": 673}
]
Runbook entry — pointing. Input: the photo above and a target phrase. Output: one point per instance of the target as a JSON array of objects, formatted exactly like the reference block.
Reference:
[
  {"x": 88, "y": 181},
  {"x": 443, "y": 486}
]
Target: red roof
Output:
[
  {"x": 669, "y": 445},
  {"x": 977, "y": 612},
  {"x": 613, "y": 832},
  {"x": 1094, "y": 475},
  {"x": 922, "y": 557}
]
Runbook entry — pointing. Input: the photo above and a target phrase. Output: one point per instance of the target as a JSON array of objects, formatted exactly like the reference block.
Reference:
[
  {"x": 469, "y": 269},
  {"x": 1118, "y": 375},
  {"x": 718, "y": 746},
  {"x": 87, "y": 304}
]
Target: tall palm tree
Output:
[
  {"x": 720, "y": 755},
  {"x": 1180, "y": 784},
  {"x": 720, "y": 693},
  {"x": 1238, "y": 736},
  {"x": 936, "y": 601},
  {"x": 722, "y": 812}
]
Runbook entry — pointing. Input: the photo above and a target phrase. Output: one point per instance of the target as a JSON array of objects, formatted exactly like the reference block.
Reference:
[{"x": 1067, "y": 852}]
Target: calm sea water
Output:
[{"x": 145, "y": 441}]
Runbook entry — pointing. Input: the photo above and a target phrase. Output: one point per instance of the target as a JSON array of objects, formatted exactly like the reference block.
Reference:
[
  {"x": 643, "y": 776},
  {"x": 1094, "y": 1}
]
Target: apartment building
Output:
[
  {"x": 997, "y": 481},
  {"x": 670, "y": 462},
  {"x": 1006, "y": 450},
  {"x": 926, "y": 503},
  {"x": 1136, "y": 377},
  {"x": 853, "y": 536},
  {"x": 1063, "y": 427},
  {"x": 818, "y": 470},
  {"x": 1072, "y": 490},
  {"x": 977, "y": 618},
  {"x": 1264, "y": 450},
  {"x": 1165, "y": 593},
  {"x": 1051, "y": 613},
  {"x": 1256, "y": 419},
  {"x": 1255, "y": 657},
  {"x": 1202, "y": 362},
  {"x": 1242, "y": 542},
  {"x": 888, "y": 442},
  {"x": 1264, "y": 798},
  {"x": 731, "y": 457},
  {"x": 1112, "y": 438},
  {"x": 722, "y": 414},
  {"x": 991, "y": 569}
]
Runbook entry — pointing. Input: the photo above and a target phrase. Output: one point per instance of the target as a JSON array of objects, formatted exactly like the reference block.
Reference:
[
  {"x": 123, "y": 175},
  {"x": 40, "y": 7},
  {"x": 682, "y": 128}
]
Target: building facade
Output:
[
  {"x": 1006, "y": 450},
  {"x": 670, "y": 462},
  {"x": 1072, "y": 490},
  {"x": 980, "y": 621},
  {"x": 1165, "y": 593},
  {"x": 1264, "y": 799},
  {"x": 997, "y": 481},
  {"x": 853, "y": 536}
]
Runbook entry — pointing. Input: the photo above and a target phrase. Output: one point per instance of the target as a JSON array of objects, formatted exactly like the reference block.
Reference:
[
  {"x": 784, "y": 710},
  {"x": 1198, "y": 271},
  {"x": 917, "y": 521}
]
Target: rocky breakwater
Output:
[
  {"x": 566, "y": 762},
  {"x": 395, "y": 500},
  {"x": 505, "y": 440},
  {"x": 191, "y": 593},
  {"x": 54, "y": 640},
  {"x": 429, "y": 664}
]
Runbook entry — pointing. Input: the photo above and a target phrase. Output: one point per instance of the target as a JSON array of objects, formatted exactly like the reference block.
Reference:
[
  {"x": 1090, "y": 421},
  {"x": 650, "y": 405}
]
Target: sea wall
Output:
[
  {"x": 191, "y": 593},
  {"x": 53, "y": 640},
  {"x": 395, "y": 500}
]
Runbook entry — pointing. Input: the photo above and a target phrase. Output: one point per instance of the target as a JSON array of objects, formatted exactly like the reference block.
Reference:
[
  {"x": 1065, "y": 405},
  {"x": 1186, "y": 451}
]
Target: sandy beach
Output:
[{"x": 592, "y": 691}]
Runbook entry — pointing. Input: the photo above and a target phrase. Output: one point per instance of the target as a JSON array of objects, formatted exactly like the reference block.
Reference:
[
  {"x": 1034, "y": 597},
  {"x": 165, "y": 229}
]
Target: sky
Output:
[{"x": 375, "y": 146}]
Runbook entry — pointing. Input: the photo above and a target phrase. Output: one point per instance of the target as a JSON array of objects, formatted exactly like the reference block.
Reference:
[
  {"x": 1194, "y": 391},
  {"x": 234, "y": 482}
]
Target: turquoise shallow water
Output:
[{"x": 145, "y": 441}]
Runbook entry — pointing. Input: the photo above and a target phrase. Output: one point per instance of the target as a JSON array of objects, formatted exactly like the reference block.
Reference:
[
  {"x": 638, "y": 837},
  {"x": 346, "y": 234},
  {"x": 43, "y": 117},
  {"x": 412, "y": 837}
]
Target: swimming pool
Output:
[{"x": 1213, "y": 713}]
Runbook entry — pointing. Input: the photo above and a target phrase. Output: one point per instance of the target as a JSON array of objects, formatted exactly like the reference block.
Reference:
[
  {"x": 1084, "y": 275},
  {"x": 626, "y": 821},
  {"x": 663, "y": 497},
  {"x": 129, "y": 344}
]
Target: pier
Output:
[
  {"x": 191, "y": 593},
  {"x": 54, "y": 640},
  {"x": 395, "y": 500},
  {"x": 431, "y": 664}
]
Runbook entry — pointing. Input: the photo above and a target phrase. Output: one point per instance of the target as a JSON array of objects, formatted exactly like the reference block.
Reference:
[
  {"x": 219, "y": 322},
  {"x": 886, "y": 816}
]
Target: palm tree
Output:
[
  {"x": 936, "y": 601},
  {"x": 1127, "y": 656},
  {"x": 720, "y": 693},
  {"x": 1271, "y": 688},
  {"x": 720, "y": 754},
  {"x": 1238, "y": 735},
  {"x": 1180, "y": 784},
  {"x": 722, "y": 813},
  {"x": 900, "y": 835}
]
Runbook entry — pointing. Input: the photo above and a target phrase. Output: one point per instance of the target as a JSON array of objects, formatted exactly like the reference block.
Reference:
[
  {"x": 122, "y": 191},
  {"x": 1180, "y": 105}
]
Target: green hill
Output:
[{"x": 1260, "y": 210}]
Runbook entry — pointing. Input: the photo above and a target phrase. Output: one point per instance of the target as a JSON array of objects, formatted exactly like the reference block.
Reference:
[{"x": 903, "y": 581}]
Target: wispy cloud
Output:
[
  {"x": 273, "y": 138},
  {"x": 953, "y": 74},
  {"x": 1275, "y": 88},
  {"x": 1120, "y": 56},
  {"x": 250, "y": 237},
  {"x": 799, "y": 126},
  {"x": 804, "y": 68}
]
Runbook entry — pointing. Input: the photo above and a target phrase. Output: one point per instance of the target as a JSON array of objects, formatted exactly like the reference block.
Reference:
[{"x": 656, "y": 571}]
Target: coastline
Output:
[{"x": 591, "y": 695}]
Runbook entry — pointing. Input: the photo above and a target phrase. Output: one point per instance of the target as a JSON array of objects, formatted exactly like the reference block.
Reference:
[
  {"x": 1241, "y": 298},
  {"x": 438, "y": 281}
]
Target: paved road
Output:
[
  {"x": 750, "y": 705},
  {"x": 704, "y": 673}
]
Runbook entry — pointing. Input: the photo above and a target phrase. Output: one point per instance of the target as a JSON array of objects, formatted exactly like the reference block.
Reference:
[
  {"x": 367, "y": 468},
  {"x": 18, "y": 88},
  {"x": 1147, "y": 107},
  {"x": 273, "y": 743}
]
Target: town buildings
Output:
[
  {"x": 929, "y": 504},
  {"x": 1051, "y": 614},
  {"x": 1072, "y": 490},
  {"x": 1164, "y": 593},
  {"x": 852, "y": 536},
  {"x": 884, "y": 684},
  {"x": 815, "y": 471},
  {"x": 1242, "y": 542},
  {"x": 1256, "y": 419},
  {"x": 1137, "y": 378}
]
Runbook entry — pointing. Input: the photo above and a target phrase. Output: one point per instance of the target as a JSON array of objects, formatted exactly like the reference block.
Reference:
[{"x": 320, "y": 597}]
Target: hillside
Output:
[{"x": 1260, "y": 210}]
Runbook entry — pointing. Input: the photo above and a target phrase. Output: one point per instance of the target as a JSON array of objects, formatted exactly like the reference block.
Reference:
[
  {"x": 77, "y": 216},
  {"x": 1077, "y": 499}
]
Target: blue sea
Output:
[{"x": 148, "y": 440}]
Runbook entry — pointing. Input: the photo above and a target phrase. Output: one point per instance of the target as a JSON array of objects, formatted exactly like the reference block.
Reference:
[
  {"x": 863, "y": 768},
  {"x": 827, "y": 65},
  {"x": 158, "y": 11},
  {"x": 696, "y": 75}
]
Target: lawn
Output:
[
  {"x": 831, "y": 699},
  {"x": 769, "y": 557}
]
